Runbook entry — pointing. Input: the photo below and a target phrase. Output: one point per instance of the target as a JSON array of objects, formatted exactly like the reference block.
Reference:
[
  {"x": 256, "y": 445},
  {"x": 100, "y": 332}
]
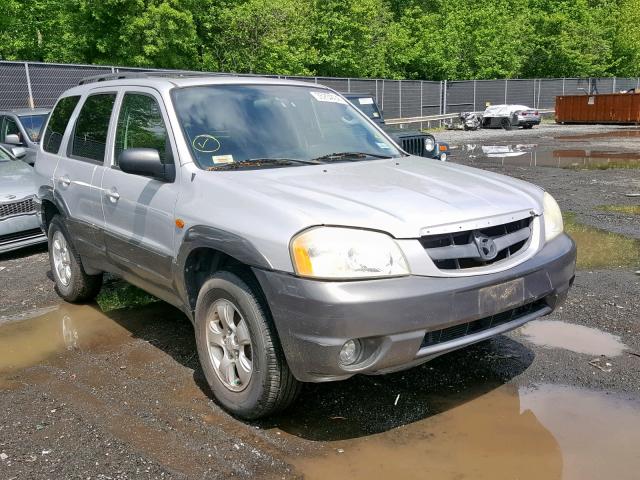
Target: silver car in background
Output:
[
  {"x": 22, "y": 128},
  {"x": 510, "y": 116},
  {"x": 19, "y": 224}
]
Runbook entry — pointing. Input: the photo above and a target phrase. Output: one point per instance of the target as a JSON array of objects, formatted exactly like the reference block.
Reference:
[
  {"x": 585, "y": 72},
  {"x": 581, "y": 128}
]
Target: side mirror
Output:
[
  {"x": 18, "y": 152},
  {"x": 12, "y": 139},
  {"x": 146, "y": 162}
]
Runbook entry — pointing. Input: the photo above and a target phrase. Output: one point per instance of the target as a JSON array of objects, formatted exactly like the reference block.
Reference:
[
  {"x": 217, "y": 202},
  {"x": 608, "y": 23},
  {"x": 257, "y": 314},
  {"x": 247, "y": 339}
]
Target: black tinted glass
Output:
[
  {"x": 90, "y": 134},
  {"x": 58, "y": 124},
  {"x": 140, "y": 125}
]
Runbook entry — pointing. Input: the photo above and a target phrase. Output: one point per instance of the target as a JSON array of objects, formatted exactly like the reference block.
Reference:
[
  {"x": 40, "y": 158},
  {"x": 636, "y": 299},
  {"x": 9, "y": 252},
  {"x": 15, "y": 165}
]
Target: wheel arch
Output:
[{"x": 206, "y": 250}]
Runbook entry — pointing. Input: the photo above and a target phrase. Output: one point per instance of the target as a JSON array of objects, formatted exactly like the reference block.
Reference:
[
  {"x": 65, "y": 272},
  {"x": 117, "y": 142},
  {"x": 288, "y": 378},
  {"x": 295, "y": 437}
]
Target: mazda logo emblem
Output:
[{"x": 487, "y": 249}]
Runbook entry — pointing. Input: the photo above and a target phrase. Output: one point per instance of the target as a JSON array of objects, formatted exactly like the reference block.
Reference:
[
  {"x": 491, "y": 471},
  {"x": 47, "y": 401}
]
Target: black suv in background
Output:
[{"x": 412, "y": 141}]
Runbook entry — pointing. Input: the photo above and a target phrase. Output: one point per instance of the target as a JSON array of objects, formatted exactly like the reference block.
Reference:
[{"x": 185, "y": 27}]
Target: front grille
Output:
[
  {"x": 448, "y": 334},
  {"x": 22, "y": 207},
  {"x": 413, "y": 145},
  {"x": 16, "y": 237},
  {"x": 460, "y": 250}
]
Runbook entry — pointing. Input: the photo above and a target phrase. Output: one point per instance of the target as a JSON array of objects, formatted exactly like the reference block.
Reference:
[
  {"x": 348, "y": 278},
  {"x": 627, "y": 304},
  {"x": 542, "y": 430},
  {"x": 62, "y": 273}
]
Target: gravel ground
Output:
[{"x": 120, "y": 395}]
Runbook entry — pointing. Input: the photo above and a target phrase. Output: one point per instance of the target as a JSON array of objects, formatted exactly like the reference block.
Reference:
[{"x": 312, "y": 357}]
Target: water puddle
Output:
[
  {"x": 577, "y": 338},
  {"x": 65, "y": 328},
  {"x": 551, "y": 432},
  {"x": 533, "y": 155}
]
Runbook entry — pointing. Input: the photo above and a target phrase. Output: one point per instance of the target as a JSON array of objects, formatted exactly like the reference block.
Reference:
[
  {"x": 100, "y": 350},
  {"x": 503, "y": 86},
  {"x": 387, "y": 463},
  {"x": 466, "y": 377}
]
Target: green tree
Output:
[
  {"x": 262, "y": 36},
  {"x": 627, "y": 38}
]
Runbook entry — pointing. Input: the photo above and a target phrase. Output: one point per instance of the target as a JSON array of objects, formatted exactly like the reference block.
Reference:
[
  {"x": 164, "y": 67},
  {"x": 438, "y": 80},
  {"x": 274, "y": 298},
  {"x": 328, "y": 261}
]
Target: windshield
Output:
[
  {"x": 33, "y": 125},
  {"x": 230, "y": 124}
]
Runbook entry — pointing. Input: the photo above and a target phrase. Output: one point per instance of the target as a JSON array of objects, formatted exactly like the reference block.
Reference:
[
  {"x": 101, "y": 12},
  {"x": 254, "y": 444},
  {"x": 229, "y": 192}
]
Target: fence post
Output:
[
  {"x": 613, "y": 89},
  {"x": 421, "y": 102},
  {"x": 377, "y": 91},
  {"x": 474, "y": 95},
  {"x": 26, "y": 71},
  {"x": 349, "y": 85},
  {"x": 563, "y": 86},
  {"x": 382, "y": 99},
  {"x": 534, "y": 94},
  {"x": 400, "y": 98},
  {"x": 444, "y": 97},
  {"x": 506, "y": 82}
]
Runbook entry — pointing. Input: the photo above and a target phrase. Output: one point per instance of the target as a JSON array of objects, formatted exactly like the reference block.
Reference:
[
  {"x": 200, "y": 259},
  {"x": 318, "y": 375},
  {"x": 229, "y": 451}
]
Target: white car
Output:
[{"x": 509, "y": 116}]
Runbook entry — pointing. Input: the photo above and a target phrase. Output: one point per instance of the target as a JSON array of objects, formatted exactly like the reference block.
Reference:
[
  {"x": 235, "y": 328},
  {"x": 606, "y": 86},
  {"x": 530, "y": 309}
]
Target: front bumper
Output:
[
  {"x": 392, "y": 317},
  {"x": 20, "y": 231}
]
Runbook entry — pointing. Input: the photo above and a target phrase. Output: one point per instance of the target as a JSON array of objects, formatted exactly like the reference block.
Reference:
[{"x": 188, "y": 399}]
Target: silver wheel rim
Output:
[
  {"x": 229, "y": 345},
  {"x": 61, "y": 258}
]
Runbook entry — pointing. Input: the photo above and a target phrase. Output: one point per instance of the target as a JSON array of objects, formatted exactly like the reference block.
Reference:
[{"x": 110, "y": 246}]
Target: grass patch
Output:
[
  {"x": 601, "y": 249},
  {"x": 118, "y": 295},
  {"x": 626, "y": 209},
  {"x": 621, "y": 163}
]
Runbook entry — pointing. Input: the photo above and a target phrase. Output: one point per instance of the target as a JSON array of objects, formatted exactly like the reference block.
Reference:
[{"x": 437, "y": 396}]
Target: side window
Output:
[
  {"x": 9, "y": 127},
  {"x": 140, "y": 125},
  {"x": 58, "y": 124},
  {"x": 90, "y": 133},
  {"x": 2, "y": 135}
]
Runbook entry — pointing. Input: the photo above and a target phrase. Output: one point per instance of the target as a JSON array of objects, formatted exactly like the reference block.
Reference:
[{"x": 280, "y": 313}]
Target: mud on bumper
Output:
[{"x": 402, "y": 322}]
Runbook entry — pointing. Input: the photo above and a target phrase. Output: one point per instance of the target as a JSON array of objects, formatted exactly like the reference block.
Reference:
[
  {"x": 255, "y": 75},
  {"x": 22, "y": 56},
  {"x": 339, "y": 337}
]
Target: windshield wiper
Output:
[
  {"x": 349, "y": 155},
  {"x": 259, "y": 162}
]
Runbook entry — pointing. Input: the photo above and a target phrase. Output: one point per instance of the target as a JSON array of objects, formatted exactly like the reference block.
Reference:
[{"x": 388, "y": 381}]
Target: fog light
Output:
[
  {"x": 443, "y": 157},
  {"x": 350, "y": 352}
]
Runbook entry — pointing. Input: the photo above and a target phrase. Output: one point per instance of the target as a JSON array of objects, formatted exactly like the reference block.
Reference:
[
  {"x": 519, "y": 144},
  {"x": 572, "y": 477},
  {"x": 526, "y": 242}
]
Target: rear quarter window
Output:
[{"x": 58, "y": 123}]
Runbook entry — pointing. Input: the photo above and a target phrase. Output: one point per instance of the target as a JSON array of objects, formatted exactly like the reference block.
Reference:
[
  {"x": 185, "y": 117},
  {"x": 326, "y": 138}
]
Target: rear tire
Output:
[
  {"x": 239, "y": 349},
  {"x": 505, "y": 123},
  {"x": 73, "y": 284}
]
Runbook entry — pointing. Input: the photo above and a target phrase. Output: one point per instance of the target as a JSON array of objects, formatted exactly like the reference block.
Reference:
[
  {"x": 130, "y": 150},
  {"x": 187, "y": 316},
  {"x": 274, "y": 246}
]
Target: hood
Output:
[
  {"x": 406, "y": 197},
  {"x": 17, "y": 179},
  {"x": 402, "y": 132}
]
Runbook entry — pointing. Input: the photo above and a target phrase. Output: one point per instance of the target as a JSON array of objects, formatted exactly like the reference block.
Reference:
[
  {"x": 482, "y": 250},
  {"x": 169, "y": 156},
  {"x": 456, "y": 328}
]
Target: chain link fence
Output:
[{"x": 33, "y": 84}]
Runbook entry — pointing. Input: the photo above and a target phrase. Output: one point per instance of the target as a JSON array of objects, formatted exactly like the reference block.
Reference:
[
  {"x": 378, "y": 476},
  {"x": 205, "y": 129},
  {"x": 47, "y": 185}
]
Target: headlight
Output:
[
  {"x": 346, "y": 253},
  {"x": 553, "y": 225},
  {"x": 429, "y": 144}
]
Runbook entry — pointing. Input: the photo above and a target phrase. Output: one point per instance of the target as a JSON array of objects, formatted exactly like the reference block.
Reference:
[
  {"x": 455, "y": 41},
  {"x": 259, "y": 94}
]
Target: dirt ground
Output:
[{"x": 111, "y": 391}]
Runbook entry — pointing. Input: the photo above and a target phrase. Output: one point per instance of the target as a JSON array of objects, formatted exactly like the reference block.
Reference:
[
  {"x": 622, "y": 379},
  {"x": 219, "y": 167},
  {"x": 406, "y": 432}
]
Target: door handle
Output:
[
  {"x": 65, "y": 181},
  {"x": 112, "y": 195}
]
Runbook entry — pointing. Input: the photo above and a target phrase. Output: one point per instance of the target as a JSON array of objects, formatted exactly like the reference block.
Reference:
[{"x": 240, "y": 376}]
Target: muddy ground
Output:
[{"x": 107, "y": 391}]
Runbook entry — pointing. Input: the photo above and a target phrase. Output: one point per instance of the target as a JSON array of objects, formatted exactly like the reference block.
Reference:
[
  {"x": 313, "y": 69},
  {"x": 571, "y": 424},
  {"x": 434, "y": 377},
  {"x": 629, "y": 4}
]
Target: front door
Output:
[{"x": 139, "y": 211}]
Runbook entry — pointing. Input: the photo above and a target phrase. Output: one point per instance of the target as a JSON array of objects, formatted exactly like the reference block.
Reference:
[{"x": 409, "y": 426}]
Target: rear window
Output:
[
  {"x": 58, "y": 124},
  {"x": 90, "y": 134}
]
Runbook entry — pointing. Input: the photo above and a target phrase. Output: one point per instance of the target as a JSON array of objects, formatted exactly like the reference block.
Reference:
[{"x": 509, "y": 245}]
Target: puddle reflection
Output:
[
  {"x": 569, "y": 336},
  {"x": 533, "y": 155},
  {"x": 549, "y": 433}
]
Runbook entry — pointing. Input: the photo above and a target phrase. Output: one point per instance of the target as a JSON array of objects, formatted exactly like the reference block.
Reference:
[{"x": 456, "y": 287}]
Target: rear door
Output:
[
  {"x": 80, "y": 169},
  {"x": 139, "y": 211}
]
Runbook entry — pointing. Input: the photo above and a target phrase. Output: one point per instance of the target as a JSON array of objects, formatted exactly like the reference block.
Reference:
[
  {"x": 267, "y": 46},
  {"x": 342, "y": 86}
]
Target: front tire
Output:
[
  {"x": 73, "y": 284},
  {"x": 239, "y": 350},
  {"x": 505, "y": 123}
]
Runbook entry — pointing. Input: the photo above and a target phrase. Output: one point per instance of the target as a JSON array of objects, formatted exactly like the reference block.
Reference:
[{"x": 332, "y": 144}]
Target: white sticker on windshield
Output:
[
  {"x": 222, "y": 159},
  {"x": 383, "y": 145},
  {"x": 366, "y": 101},
  {"x": 328, "y": 97}
]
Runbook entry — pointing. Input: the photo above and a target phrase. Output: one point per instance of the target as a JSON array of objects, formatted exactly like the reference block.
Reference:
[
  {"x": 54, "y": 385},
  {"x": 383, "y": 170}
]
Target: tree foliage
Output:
[{"x": 428, "y": 39}]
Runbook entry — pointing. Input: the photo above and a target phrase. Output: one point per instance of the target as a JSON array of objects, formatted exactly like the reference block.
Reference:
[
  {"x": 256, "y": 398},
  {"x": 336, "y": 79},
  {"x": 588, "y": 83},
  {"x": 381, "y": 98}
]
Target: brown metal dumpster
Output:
[{"x": 602, "y": 108}]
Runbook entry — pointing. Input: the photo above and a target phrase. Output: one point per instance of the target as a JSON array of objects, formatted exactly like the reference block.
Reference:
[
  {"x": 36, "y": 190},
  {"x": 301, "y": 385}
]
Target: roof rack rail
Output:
[{"x": 125, "y": 75}]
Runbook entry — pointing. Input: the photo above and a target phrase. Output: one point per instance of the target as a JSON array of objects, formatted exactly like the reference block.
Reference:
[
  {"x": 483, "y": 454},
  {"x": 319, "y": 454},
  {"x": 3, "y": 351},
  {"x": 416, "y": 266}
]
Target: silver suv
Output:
[{"x": 301, "y": 241}]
